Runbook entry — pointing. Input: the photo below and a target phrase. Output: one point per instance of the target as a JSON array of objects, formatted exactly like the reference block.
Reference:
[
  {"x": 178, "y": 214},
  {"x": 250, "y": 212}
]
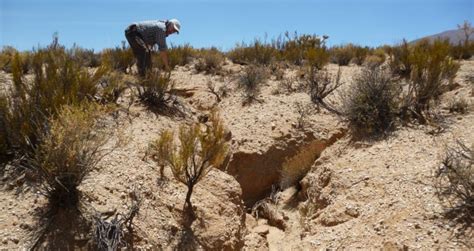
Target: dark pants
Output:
[{"x": 139, "y": 48}]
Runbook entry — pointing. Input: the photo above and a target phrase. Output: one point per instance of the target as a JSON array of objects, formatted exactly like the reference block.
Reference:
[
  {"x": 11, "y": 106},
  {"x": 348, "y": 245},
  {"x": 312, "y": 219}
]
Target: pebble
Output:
[{"x": 14, "y": 240}]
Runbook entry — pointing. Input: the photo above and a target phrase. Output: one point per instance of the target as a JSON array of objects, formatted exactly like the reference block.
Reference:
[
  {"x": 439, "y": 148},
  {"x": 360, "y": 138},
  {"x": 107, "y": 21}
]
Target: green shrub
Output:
[
  {"x": 455, "y": 183},
  {"x": 6, "y": 59},
  {"x": 300, "y": 47},
  {"x": 200, "y": 148},
  {"x": 210, "y": 61},
  {"x": 371, "y": 103}
]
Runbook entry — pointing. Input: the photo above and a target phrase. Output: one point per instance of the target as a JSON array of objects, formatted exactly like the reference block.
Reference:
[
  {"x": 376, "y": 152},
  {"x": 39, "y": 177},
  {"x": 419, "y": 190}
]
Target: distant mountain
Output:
[{"x": 455, "y": 36}]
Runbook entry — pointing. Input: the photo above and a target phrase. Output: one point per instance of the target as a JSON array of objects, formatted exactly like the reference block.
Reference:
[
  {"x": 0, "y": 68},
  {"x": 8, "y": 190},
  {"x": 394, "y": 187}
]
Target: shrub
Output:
[
  {"x": 250, "y": 82},
  {"x": 210, "y": 61},
  {"x": 177, "y": 56},
  {"x": 455, "y": 182},
  {"x": 199, "y": 150},
  {"x": 460, "y": 105},
  {"x": 118, "y": 58},
  {"x": 58, "y": 80},
  {"x": 155, "y": 89},
  {"x": 317, "y": 58},
  {"x": 300, "y": 47},
  {"x": 85, "y": 57},
  {"x": 371, "y": 103},
  {"x": 432, "y": 67},
  {"x": 68, "y": 151},
  {"x": 6, "y": 59},
  {"x": 258, "y": 52},
  {"x": 321, "y": 83},
  {"x": 342, "y": 55},
  {"x": 399, "y": 59}
]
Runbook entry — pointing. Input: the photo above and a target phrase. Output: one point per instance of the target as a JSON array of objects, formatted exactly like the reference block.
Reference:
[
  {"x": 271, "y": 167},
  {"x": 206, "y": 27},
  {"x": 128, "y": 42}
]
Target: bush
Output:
[
  {"x": 399, "y": 59},
  {"x": 251, "y": 80},
  {"x": 200, "y": 148},
  {"x": 342, "y": 55},
  {"x": 68, "y": 151},
  {"x": 85, "y": 57},
  {"x": 58, "y": 80},
  {"x": 177, "y": 56},
  {"x": 455, "y": 182},
  {"x": 118, "y": 58},
  {"x": 210, "y": 61},
  {"x": 298, "y": 48},
  {"x": 321, "y": 83},
  {"x": 432, "y": 68},
  {"x": 460, "y": 105},
  {"x": 258, "y": 52},
  {"x": 6, "y": 59},
  {"x": 371, "y": 103},
  {"x": 155, "y": 89}
]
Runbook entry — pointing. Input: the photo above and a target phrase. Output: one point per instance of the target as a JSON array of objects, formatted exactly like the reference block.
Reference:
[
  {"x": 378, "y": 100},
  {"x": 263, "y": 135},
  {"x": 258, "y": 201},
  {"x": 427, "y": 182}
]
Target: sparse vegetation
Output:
[
  {"x": 209, "y": 61},
  {"x": 321, "y": 83},
  {"x": 456, "y": 183},
  {"x": 258, "y": 52},
  {"x": 250, "y": 81},
  {"x": 371, "y": 104},
  {"x": 458, "y": 105},
  {"x": 200, "y": 148},
  {"x": 154, "y": 90},
  {"x": 118, "y": 58},
  {"x": 58, "y": 80}
]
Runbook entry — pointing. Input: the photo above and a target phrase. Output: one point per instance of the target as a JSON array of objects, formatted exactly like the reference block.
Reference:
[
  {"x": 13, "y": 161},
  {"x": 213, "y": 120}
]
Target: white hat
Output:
[{"x": 176, "y": 24}]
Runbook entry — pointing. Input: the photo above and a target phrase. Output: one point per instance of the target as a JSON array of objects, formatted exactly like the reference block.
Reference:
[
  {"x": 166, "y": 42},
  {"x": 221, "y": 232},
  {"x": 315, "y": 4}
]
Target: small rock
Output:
[
  {"x": 14, "y": 240},
  {"x": 417, "y": 226},
  {"x": 5, "y": 241}
]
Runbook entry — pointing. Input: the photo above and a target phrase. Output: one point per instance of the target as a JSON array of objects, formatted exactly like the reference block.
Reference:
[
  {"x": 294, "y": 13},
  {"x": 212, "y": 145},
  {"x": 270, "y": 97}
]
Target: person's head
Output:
[{"x": 173, "y": 25}]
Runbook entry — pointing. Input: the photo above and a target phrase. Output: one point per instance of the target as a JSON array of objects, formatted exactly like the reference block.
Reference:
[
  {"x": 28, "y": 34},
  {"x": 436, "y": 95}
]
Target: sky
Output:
[{"x": 99, "y": 24}]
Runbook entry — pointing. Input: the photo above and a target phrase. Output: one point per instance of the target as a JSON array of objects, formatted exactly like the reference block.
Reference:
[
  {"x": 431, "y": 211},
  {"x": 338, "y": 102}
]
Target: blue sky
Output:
[{"x": 99, "y": 24}]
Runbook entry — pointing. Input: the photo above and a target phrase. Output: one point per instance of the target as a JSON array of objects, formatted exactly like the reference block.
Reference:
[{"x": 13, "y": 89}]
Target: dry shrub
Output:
[
  {"x": 58, "y": 80},
  {"x": 267, "y": 209},
  {"x": 303, "y": 110},
  {"x": 177, "y": 56},
  {"x": 455, "y": 183},
  {"x": 113, "y": 86},
  {"x": 85, "y": 57},
  {"x": 210, "y": 61},
  {"x": 431, "y": 69},
  {"x": 258, "y": 52},
  {"x": 399, "y": 59},
  {"x": 342, "y": 55},
  {"x": 458, "y": 105},
  {"x": 68, "y": 152},
  {"x": 251, "y": 80},
  {"x": 155, "y": 90},
  {"x": 297, "y": 48},
  {"x": 321, "y": 84},
  {"x": 371, "y": 104},
  {"x": 7, "y": 55},
  {"x": 200, "y": 148},
  {"x": 118, "y": 58}
]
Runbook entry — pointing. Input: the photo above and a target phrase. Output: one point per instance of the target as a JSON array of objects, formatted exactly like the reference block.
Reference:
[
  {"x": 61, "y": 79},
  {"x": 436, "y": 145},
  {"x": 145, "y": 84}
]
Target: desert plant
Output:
[
  {"x": 250, "y": 82},
  {"x": 85, "y": 57},
  {"x": 303, "y": 112},
  {"x": 258, "y": 52},
  {"x": 298, "y": 48},
  {"x": 58, "y": 80},
  {"x": 200, "y": 148},
  {"x": 68, "y": 151},
  {"x": 177, "y": 56},
  {"x": 399, "y": 59},
  {"x": 342, "y": 55},
  {"x": 458, "y": 105},
  {"x": 155, "y": 89},
  {"x": 371, "y": 103},
  {"x": 455, "y": 182},
  {"x": 321, "y": 83},
  {"x": 6, "y": 59},
  {"x": 210, "y": 61},
  {"x": 118, "y": 58},
  {"x": 432, "y": 68},
  {"x": 464, "y": 46}
]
